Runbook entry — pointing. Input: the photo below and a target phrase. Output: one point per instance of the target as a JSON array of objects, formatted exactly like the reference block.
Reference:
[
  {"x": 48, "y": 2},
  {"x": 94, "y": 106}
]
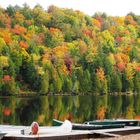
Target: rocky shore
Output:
[{"x": 128, "y": 137}]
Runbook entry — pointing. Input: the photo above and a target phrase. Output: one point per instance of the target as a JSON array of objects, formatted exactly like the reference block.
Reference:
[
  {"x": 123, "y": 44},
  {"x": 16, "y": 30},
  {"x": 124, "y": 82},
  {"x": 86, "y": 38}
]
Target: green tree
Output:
[
  {"x": 108, "y": 78},
  {"x": 11, "y": 10},
  {"x": 57, "y": 84},
  {"x": 130, "y": 85},
  {"x": 44, "y": 88},
  {"x": 137, "y": 82},
  {"x": 1, "y": 81},
  {"x": 11, "y": 68},
  {"x": 116, "y": 83},
  {"x": 67, "y": 87},
  {"x": 86, "y": 84},
  {"x": 104, "y": 87},
  {"x": 9, "y": 87},
  {"x": 30, "y": 74},
  {"x": 96, "y": 84}
]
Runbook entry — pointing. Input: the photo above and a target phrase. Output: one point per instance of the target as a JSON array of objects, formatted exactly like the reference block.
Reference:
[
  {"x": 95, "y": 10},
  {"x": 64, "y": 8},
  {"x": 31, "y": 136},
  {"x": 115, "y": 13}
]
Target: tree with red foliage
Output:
[{"x": 68, "y": 63}]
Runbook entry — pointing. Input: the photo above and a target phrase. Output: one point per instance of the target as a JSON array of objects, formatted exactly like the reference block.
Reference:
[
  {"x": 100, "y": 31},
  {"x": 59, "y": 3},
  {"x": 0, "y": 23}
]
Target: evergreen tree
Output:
[
  {"x": 76, "y": 84},
  {"x": 86, "y": 82},
  {"x": 96, "y": 85},
  {"x": 108, "y": 78},
  {"x": 30, "y": 74},
  {"x": 116, "y": 83},
  {"x": 137, "y": 82},
  {"x": 124, "y": 82},
  {"x": 104, "y": 87},
  {"x": 12, "y": 69},
  {"x": 44, "y": 83},
  {"x": 1, "y": 81},
  {"x": 129, "y": 85},
  {"x": 68, "y": 85},
  {"x": 80, "y": 77},
  {"x": 57, "y": 84},
  {"x": 11, "y": 10},
  {"x": 75, "y": 88}
]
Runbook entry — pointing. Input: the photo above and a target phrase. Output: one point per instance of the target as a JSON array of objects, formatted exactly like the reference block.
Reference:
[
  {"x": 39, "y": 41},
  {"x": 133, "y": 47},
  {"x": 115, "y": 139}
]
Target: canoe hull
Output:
[
  {"x": 111, "y": 122},
  {"x": 95, "y": 127},
  {"x": 76, "y": 126}
]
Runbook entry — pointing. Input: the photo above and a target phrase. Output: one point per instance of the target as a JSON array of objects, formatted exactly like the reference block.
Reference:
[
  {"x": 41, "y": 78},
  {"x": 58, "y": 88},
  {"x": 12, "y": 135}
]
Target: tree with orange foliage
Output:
[
  {"x": 23, "y": 44},
  {"x": 100, "y": 73},
  {"x": 19, "y": 30},
  {"x": 129, "y": 20},
  {"x": 5, "y": 20}
]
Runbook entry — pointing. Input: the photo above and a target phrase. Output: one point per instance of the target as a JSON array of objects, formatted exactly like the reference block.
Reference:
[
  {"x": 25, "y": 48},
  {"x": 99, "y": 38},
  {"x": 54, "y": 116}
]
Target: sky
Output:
[{"x": 110, "y": 7}]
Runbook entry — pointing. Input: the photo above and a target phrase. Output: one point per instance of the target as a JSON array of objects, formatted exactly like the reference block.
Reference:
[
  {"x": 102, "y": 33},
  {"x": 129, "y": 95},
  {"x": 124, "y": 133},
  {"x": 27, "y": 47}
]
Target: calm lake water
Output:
[{"x": 23, "y": 111}]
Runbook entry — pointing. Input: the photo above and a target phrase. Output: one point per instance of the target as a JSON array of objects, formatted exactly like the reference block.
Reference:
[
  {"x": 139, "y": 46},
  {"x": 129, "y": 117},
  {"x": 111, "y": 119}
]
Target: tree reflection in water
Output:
[{"x": 75, "y": 108}]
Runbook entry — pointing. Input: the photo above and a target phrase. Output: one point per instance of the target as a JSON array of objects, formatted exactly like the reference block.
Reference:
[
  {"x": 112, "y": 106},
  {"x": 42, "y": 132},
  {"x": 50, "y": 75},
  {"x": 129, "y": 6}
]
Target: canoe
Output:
[
  {"x": 117, "y": 121},
  {"x": 12, "y": 130},
  {"x": 78, "y": 126}
]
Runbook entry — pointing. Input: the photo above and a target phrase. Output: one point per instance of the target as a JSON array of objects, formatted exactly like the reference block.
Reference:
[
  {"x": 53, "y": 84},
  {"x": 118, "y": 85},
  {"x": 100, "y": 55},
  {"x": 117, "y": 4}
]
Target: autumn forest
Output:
[{"x": 65, "y": 51}]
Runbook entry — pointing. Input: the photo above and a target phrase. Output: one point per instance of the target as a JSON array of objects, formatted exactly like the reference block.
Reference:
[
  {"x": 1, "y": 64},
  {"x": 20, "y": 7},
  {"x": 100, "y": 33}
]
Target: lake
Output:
[{"x": 23, "y": 111}]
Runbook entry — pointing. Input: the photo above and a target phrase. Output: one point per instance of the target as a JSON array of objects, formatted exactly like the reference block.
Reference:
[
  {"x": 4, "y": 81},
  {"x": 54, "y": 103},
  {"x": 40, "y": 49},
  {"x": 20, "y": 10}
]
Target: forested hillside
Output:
[{"x": 64, "y": 51}]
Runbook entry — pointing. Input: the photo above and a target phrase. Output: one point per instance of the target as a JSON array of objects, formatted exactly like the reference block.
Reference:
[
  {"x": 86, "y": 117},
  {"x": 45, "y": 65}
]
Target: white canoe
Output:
[{"x": 11, "y": 130}]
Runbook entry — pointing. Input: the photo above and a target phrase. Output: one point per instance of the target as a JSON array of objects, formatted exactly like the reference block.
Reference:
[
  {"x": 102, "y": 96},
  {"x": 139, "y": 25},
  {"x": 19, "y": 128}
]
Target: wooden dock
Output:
[
  {"x": 56, "y": 136},
  {"x": 14, "y": 133}
]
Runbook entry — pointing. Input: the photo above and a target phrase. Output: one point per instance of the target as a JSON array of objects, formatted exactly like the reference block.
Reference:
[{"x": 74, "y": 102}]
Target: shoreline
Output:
[
  {"x": 32, "y": 94},
  {"x": 126, "y": 137}
]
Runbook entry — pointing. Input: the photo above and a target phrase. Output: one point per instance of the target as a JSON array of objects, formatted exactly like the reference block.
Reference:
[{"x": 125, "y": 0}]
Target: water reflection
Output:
[
  {"x": 75, "y": 108},
  {"x": 115, "y": 106}
]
